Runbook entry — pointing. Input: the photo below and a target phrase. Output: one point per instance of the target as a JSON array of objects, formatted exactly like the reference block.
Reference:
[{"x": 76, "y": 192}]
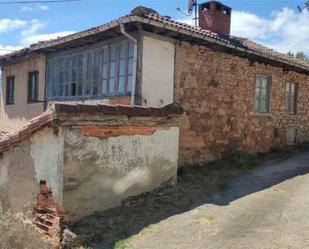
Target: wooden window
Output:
[
  {"x": 291, "y": 90},
  {"x": 33, "y": 87},
  {"x": 103, "y": 71},
  {"x": 10, "y": 88},
  {"x": 262, "y": 94}
]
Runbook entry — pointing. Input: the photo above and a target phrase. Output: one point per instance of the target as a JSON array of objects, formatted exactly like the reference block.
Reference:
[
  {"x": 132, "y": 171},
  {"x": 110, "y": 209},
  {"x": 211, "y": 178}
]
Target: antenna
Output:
[{"x": 191, "y": 4}]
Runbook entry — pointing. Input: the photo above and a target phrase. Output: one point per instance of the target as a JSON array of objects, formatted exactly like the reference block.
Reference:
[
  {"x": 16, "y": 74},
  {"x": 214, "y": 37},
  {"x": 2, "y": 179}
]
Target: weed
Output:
[
  {"x": 121, "y": 244},
  {"x": 241, "y": 160}
]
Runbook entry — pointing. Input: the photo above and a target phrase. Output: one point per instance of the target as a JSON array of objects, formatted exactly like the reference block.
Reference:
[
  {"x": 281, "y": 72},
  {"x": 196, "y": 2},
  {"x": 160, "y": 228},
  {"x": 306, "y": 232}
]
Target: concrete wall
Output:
[
  {"x": 157, "y": 72},
  {"x": 102, "y": 170},
  {"x": 21, "y": 109},
  {"x": 22, "y": 168},
  {"x": 217, "y": 91}
]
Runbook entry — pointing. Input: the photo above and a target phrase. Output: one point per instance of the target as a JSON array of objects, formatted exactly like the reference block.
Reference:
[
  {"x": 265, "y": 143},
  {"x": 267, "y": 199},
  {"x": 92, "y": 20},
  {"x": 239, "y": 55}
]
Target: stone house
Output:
[{"x": 236, "y": 94}]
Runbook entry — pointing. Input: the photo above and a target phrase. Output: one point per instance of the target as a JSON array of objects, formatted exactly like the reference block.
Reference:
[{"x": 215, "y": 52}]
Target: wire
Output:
[{"x": 37, "y": 1}]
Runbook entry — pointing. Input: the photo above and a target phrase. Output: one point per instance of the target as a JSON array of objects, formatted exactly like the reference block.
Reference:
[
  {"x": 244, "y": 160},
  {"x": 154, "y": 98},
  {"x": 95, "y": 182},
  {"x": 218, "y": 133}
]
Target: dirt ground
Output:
[{"x": 212, "y": 208}]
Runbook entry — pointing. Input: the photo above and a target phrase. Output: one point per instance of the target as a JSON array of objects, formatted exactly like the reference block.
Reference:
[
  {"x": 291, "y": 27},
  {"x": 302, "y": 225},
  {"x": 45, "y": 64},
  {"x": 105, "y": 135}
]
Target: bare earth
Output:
[{"x": 267, "y": 207}]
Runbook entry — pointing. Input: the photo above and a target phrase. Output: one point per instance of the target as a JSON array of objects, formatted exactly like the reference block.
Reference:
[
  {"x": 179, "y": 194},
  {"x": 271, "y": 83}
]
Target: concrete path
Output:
[{"x": 265, "y": 208}]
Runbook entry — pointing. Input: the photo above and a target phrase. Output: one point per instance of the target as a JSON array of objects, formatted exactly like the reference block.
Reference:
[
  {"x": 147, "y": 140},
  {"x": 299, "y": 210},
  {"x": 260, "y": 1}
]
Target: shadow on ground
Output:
[{"x": 196, "y": 186}]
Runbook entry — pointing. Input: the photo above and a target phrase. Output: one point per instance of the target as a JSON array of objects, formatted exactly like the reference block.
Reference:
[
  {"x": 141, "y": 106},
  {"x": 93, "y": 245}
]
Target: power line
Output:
[{"x": 37, "y": 1}]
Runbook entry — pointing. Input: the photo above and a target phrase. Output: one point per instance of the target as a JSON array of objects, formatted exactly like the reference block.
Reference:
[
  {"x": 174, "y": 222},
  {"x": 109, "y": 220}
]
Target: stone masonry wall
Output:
[{"x": 216, "y": 91}]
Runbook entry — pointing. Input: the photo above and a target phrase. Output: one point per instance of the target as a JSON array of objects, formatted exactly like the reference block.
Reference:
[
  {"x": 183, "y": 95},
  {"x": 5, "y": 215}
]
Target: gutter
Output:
[{"x": 134, "y": 40}]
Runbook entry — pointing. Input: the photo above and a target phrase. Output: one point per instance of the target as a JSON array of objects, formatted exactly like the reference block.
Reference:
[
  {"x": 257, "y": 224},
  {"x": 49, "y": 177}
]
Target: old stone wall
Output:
[
  {"x": 21, "y": 169},
  {"x": 105, "y": 164},
  {"x": 216, "y": 91}
]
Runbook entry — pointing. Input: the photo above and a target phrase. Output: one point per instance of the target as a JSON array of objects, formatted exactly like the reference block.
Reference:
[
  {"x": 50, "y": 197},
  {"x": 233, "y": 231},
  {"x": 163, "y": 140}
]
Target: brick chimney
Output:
[{"x": 216, "y": 17}]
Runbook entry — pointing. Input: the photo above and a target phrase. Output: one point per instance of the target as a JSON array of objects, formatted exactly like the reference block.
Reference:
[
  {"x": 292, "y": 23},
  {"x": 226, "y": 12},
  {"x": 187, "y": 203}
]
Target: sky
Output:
[{"x": 274, "y": 23}]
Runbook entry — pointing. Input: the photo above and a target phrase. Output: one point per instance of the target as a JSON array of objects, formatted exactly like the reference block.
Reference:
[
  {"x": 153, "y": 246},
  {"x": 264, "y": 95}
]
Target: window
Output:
[
  {"x": 291, "y": 135},
  {"x": 33, "y": 87},
  {"x": 262, "y": 94},
  {"x": 105, "y": 71},
  {"x": 291, "y": 98},
  {"x": 10, "y": 88}
]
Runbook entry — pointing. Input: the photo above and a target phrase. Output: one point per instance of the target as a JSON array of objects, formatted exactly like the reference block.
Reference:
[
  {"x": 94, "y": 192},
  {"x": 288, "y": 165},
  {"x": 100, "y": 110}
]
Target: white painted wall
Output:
[
  {"x": 100, "y": 173},
  {"x": 47, "y": 154},
  {"x": 157, "y": 72}
]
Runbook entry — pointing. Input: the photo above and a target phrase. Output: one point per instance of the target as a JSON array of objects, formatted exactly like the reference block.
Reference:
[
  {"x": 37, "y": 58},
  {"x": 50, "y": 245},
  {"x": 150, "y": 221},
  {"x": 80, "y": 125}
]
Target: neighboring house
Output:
[{"x": 236, "y": 94}]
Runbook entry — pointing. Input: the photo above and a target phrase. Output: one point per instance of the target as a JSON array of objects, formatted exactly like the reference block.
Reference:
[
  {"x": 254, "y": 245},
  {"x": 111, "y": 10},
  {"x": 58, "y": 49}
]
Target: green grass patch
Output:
[
  {"x": 121, "y": 244},
  {"x": 241, "y": 160}
]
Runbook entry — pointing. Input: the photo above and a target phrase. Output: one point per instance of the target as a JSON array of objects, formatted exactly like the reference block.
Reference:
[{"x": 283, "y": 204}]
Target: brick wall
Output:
[{"x": 216, "y": 91}]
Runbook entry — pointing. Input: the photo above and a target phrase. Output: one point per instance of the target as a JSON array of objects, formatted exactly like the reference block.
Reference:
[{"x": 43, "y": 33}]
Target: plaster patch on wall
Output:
[
  {"x": 47, "y": 154},
  {"x": 99, "y": 174}
]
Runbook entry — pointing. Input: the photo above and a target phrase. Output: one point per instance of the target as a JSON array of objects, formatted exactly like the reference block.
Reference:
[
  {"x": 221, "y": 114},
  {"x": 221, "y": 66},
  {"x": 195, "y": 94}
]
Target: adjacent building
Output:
[{"x": 236, "y": 94}]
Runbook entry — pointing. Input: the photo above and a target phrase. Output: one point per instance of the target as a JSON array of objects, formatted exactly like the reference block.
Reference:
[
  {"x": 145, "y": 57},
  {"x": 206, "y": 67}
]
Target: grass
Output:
[
  {"x": 122, "y": 244},
  {"x": 236, "y": 159}
]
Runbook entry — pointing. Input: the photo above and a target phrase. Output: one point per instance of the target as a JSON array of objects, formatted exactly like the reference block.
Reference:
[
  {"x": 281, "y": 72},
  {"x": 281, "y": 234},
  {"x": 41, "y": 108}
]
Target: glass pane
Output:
[
  {"x": 105, "y": 55},
  {"x": 66, "y": 90},
  {"x": 112, "y": 69},
  {"x": 293, "y": 88},
  {"x": 130, "y": 67},
  {"x": 104, "y": 71},
  {"x": 121, "y": 85},
  {"x": 112, "y": 86},
  {"x": 113, "y": 53},
  {"x": 122, "y": 69},
  {"x": 79, "y": 89},
  {"x": 104, "y": 87},
  {"x": 123, "y": 51},
  {"x": 129, "y": 87},
  {"x": 131, "y": 50},
  {"x": 95, "y": 88},
  {"x": 73, "y": 89}
]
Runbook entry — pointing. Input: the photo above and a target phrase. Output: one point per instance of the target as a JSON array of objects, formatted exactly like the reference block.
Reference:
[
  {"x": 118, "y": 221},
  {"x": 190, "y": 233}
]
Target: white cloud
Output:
[
  {"x": 34, "y": 8},
  {"x": 8, "y": 49},
  {"x": 33, "y": 27},
  {"x": 43, "y": 7},
  {"x": 284, "y": 30},
  {"x": 27, "y": 40},
  {"x": 11, "y": 24}
]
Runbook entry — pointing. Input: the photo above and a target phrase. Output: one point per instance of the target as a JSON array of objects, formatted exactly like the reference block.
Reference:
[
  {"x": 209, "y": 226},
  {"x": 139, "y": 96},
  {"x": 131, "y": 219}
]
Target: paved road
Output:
[{"x": 264, "y": 208}]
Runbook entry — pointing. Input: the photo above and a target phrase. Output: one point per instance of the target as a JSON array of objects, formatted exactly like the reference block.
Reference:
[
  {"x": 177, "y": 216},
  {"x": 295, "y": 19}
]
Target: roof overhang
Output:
[{"x": 133, "y": 23}]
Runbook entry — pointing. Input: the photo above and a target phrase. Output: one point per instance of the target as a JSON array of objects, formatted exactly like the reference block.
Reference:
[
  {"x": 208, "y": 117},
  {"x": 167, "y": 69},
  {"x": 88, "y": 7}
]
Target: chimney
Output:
[{"x": 216, "y": 17}]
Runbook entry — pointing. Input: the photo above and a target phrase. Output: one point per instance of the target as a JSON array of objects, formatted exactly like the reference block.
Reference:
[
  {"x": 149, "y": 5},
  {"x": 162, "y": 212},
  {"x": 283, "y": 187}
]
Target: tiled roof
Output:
[
  {"x": 151, "y": 17},
  {"x": 12, "y": 139},
  {"x": 126, "y": 110}
]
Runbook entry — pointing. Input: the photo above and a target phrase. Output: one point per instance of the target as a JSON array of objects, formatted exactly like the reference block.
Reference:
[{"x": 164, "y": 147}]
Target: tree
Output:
[{"x": 299, "y": 55}]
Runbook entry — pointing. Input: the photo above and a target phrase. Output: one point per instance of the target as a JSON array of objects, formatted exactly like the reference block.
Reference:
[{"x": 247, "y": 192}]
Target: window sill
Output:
[{"x": 261, "y": 114}]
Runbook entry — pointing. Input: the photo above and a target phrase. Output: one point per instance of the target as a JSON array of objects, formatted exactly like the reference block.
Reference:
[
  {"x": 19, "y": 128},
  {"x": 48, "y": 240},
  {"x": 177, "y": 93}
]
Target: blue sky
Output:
[{"x": 274, "y": 23}]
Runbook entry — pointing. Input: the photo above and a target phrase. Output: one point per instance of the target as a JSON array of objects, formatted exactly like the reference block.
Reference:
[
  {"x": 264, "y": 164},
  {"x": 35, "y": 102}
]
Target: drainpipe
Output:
[{"x": 130, "y": 37}]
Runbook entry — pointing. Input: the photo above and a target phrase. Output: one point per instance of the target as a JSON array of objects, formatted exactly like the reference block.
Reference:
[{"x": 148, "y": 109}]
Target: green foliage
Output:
[
  {"x": 299, "y": 55},
  {"x": 121, "y": 244}
]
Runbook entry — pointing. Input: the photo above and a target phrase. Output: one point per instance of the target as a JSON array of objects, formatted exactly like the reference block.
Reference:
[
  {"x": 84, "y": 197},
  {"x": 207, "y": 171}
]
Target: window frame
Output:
[
  {"x": 100, "y": 80},
  {"x": 291, "y": 108},
  {"x": 10, "y": 90},
  {"x": 31, "y": 100},
  {"x": 259, "y": 109}
]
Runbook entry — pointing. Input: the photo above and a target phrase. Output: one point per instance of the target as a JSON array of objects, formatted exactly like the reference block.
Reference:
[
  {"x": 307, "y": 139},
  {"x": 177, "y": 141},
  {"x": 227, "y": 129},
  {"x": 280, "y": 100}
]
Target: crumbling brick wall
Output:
[{"x": 216, "y": 91}]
